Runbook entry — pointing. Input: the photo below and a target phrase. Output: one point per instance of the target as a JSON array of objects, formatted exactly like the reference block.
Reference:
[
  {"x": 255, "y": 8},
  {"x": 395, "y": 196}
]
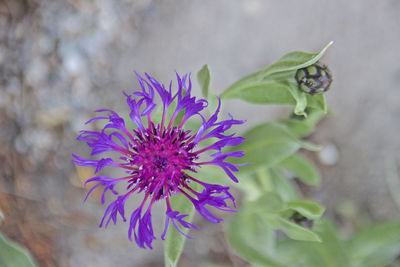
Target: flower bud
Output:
[{"x": 314, "y": 79}]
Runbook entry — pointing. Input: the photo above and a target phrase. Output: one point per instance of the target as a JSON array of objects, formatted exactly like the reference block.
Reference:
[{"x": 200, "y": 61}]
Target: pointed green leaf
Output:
[
  {"x": 268, "y": 144},
  {"x": 300, "y": 98},
  {"x": 331, "y": 249},
  {"x": 307, "y": 208},
  {"x": 282, "y": 185},
  {"x": 269, "y": 202},
  {"x": 295, "y": 60},
  {"x": 213, "y": 102},
  {"x": 302, "y": 168},
  {"x": 264, "y": 93},
  {"x": 12, "y": 255},
  {"x": 204, "y": 79},
  {"x": 210, "y": 174},
  {"x": 377, "y": 245},
  {"x": 291, "y": 229},
  {"x": 317, "y": 102},
  {"x": 252, "y": 239},
  {"x": 328, "y": 253},
  {"x": 174, "y": 241}
]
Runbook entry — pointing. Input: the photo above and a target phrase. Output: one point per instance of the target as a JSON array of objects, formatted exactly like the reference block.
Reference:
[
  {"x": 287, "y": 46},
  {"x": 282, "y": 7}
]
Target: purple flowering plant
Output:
[
  {"x": 160, "y": 157},
  {"x": 166, "y": 158}
]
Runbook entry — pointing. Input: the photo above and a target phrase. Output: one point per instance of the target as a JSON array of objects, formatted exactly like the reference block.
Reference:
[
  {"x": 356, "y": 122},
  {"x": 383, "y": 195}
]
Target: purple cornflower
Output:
[{"x": 160, "y": 157}]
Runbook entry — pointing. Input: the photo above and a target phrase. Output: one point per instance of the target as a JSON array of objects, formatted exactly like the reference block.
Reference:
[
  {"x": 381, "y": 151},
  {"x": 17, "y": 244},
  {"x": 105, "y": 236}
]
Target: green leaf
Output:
[
  {"x": 174, "y": 241},
  {"x": 309, "y": 209},
  {"x": 251, "y": 231},
  {"x": 301, "y": 126},
  {"x": 269, "y": 202},
  {"x": 332, "y": 249},
  {"x": 12, "y": 255},
  {"x": 377, "y": 245},
  {"x": 204, "y": 79},
  {"x": 317, "y": 102},
  {"x": 291, "y": 229},
  {"x": 295, "y": 60},
  {"x": 302, "y": 168},
  {"x": 301, "y": 99},
  {"x": 210, "y": 174},
  {"x": 252, "y": 239},
  {"x": 250, "y": 185},
  {"x": 282, "y": 185},
  {"x": 264, "y": 92},
  {"x": 213, "y": 102},
  {"x": 328, "y": 253},
  {"x": 268, "y": 144}
]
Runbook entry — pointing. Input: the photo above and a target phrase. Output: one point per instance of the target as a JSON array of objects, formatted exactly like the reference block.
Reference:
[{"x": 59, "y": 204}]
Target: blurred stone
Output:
[
  {"x": 53, "y": 118},
  {"x": 1, "y": 217},
  {"x": 328, "y": 155},
  {"x": 20, "y": 145}
]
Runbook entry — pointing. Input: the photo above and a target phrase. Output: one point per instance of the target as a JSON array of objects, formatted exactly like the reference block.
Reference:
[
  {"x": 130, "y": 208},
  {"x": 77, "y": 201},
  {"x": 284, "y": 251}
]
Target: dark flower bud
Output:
[
  {"x": 301, "y": 220},
  {"x": 314, "y": 79}
]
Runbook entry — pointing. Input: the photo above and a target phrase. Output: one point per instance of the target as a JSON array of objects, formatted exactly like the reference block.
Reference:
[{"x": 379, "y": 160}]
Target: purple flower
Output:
[{"x": 159, "y": 157}]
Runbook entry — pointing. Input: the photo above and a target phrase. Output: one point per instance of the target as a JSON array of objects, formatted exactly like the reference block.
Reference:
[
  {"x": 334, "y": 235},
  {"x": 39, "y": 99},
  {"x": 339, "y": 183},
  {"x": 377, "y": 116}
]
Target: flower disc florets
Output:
[{"x": 159, "y": 157}]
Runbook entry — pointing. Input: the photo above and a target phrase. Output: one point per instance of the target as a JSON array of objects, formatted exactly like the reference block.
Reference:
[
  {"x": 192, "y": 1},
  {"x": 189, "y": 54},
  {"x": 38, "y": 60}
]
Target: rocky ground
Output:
[{"x": 62, "y": 59}]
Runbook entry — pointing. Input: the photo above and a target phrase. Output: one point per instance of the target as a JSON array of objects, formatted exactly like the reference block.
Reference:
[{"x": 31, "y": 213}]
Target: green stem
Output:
[{"x": 264, "y": 179}]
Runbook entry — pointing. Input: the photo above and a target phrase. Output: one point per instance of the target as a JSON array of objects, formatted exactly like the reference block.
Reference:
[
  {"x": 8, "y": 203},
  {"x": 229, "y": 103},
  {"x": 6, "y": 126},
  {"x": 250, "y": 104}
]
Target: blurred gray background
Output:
[{"x": 62, "y": 59}]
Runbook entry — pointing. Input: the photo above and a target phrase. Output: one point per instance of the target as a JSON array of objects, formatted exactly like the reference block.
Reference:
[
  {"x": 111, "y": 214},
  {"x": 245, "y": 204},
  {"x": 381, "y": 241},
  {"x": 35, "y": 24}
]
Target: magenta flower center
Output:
[{"x": 160, "y": 157}]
